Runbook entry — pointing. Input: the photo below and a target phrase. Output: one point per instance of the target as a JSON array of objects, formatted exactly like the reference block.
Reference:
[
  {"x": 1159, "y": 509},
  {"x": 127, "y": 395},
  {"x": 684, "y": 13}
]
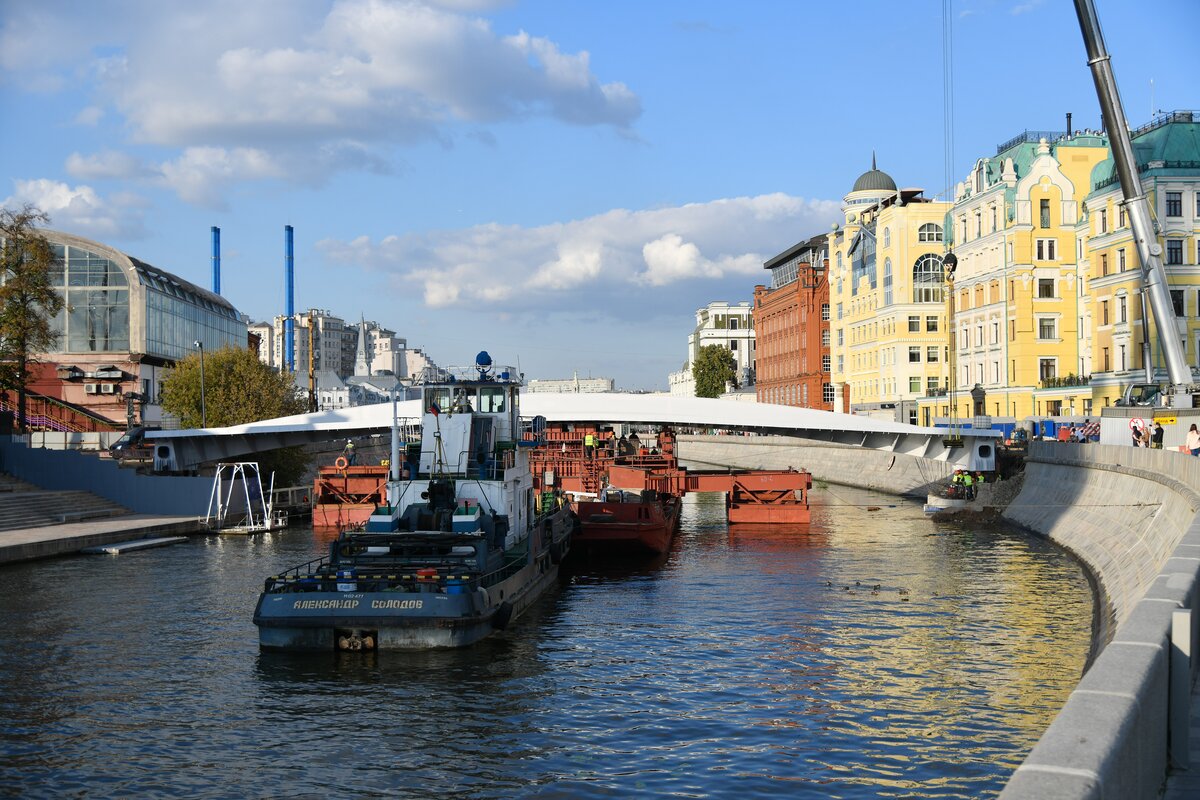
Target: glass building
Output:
[{"x": 123, "y": 323}]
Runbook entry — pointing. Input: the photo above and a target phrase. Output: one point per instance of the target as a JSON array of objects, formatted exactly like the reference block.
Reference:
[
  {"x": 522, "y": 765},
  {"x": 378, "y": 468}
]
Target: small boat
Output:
[
  {"x": 623, "y": 521},
  {"x": 462, "y": 546}
]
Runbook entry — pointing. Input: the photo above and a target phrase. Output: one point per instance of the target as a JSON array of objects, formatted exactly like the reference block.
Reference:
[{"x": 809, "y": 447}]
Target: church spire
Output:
[{"x": 362, "y": 362}]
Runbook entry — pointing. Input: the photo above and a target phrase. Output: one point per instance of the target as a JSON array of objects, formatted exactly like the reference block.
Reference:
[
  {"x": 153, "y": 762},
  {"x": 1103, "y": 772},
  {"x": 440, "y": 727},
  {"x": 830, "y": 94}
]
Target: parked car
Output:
[{"x": 132, "y": 446}]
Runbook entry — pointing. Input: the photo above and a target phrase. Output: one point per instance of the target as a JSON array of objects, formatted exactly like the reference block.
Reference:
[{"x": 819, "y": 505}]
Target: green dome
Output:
[{"x": 873, "y": 181}]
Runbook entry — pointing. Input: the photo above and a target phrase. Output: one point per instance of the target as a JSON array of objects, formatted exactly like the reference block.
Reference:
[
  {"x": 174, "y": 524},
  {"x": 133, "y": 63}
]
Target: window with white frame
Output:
[
  {"x": 1047, "y": 368},
  {"x": 914, "y": 355},
  {"x": 827, "y": 392},
  {"x": 825, "y": 363},
  {"x": 927, "y": 279},
  {"x": 914, "y": 383},
  {"x": 995, "y": 332},
  {"x": 1122, "y": 309},
  {"x": 1121, "y": 260},
  {"x": 1174, "y": 251},
  {"x": 931, "y": 324},
  {"x": 931, "y": 353},
  {"x": 1047, "y": 328},
  {"x": 914, "y": 323},
  {"x": 1045, "y": 288},
  {"x": 825, "y": 338},
  {"x": 1174, "y": 204},
  {"x": 1046, "y": 250},
  {"x": 929, "y": 232},
  {"x": 825, "y": 312}
]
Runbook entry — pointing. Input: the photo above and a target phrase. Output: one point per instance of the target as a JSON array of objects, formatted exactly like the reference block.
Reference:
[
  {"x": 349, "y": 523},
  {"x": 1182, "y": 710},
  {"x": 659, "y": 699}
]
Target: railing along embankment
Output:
[{"x": 1133, "y": 517}]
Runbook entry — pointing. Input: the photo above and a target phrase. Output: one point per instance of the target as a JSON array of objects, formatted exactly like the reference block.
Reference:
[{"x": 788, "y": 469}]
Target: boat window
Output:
[
  {"x": 464, "y": 399},
  {"x": 491, "y": 399},
  {"x": 439, "y": 396}
]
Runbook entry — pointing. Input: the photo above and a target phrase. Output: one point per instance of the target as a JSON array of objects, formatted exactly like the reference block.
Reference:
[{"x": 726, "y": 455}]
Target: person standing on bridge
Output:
[
  {"x": 589, "y": 445},
  {"x": 1157, "y": 439},
  {"x": 1193, "y": 440}
]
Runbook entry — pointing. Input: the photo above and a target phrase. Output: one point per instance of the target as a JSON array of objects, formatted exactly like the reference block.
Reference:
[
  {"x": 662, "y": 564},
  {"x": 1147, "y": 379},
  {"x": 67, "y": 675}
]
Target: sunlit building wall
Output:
[{"x": 888, "y": 315}]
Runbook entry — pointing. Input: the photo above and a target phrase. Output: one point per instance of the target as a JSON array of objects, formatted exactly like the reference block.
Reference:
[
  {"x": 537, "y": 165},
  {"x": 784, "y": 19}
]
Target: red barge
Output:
[
  {"x": 345, "y": 496},
  {"x": 652, "y": 475},
  {"x": 628, "y": 522}
]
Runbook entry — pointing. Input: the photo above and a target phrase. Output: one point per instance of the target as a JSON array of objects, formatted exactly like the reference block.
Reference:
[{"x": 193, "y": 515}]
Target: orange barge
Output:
[
  {"x": 344, "y": 497},
  {"x": 751, "y": 496}
]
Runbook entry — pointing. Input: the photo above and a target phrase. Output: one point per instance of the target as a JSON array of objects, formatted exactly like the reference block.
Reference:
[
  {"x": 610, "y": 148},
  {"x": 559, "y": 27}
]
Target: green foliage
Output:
[
  {"x": 713, "y": 368},
  {"x": 28, "y": 299},
  {"x": 238, "y": 388}
]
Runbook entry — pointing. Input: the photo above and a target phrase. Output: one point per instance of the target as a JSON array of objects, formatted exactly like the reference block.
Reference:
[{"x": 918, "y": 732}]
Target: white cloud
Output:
[
  {"x": 617, "y": 262},
  {"x": 201, "y": 173},
  {"x": 80, "y": 209},
  {"x": 350, "y": 81},
  {"x": 106, "y": 164}
]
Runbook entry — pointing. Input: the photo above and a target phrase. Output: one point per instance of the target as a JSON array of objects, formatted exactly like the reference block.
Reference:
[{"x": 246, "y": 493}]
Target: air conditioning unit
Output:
[
  {"x": 91, "y": 388},
  {"x": 107, "y": 388}
]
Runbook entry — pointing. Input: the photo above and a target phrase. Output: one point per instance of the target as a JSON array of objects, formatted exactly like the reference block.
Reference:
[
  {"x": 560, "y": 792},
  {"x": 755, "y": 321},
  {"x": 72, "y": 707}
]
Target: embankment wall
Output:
[{"x": 1133, "y": 517}]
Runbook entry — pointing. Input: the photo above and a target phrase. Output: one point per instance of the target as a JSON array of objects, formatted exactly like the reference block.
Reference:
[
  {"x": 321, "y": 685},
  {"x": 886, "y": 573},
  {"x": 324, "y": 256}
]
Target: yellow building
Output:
[
  {"x": 888, "y": 313},
  {"x": 1168, "y": 161},
  {"x": 1018, "y": 300}
]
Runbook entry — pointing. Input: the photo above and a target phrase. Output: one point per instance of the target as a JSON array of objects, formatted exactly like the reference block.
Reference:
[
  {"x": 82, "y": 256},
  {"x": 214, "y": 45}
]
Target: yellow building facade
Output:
[
  {"x": 887, "y": 302},
  {"x": 1018, "y": 300},
  {"x": 1123, "y": 349}
]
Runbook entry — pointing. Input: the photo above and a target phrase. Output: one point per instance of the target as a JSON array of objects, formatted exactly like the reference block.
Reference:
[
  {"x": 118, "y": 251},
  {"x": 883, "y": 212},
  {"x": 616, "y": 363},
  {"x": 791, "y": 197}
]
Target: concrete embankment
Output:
[
  {"x": 1131, "y": 516},
  {"x": 26, "y": 544}
]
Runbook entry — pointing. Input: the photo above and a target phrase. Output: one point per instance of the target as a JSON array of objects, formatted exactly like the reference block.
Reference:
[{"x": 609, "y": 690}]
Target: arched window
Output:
[
  {"x": 929, "y": 232},
  {"x": 887, "y": 237},
  {"x": 887, "y": 280},
  {"x": 927, "y": 278}
]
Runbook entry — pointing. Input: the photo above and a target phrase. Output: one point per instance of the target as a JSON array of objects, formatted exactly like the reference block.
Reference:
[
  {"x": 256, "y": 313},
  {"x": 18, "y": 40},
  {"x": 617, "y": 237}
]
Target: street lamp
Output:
[{"x": 203, "y": 416}]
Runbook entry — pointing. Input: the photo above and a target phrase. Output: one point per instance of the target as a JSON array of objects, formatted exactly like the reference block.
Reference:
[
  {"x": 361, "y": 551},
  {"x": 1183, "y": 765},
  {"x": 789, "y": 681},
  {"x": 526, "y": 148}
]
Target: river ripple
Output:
[{"x": 752, "y": 661}]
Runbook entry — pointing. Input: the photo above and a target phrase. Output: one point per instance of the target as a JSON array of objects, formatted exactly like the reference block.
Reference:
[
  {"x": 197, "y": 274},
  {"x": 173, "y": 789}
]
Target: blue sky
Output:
[{"x": 560, "y": 183}]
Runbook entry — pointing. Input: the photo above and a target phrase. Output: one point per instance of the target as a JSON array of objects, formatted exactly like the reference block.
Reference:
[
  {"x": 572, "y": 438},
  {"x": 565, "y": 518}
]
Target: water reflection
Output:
[{"x": 749, "y": 659}]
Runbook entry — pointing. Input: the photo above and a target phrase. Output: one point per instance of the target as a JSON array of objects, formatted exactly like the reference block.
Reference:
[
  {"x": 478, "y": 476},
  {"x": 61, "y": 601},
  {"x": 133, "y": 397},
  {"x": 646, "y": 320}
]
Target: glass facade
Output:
[
  {"x": 95, "y": 314},
  {"x": 100, "y": 306}
]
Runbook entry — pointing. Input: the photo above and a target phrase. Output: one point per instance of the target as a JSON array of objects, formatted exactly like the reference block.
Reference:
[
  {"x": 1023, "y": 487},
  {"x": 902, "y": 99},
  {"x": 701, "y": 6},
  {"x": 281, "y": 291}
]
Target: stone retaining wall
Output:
[
  {"x": 854, "y": 466},
  {"x": 1133, "y": 517}
]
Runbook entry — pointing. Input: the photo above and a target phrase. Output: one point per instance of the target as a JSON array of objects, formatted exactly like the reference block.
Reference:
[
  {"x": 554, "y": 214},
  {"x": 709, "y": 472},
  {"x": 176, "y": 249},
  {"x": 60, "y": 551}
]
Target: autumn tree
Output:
[
  {"x": 28, "y": 300},
  {"x": 238, "y": 388},
  {"x": 712, "y": 370}
]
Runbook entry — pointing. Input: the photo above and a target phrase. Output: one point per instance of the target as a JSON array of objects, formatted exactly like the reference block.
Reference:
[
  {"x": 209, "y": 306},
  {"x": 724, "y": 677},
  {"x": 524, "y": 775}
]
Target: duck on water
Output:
[{"x": 462, "y": 546}]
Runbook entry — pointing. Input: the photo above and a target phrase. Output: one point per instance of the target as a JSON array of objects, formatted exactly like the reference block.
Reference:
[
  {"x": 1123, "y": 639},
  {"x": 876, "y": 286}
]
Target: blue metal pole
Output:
[
  {"x": 216, "y": 259},
  {"x": 289, "y": 324}
]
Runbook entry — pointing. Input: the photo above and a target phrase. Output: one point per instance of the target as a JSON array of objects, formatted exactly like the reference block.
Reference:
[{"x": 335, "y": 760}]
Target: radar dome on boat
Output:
[{"x": 483, "y": 359}]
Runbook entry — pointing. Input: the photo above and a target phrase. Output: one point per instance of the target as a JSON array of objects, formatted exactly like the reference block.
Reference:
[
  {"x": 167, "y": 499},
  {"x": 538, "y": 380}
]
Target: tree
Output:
[
  {"x": 713, "y": 368},
  {"x": 28, "y": 300},
  {"x": 238, "y": 388}
]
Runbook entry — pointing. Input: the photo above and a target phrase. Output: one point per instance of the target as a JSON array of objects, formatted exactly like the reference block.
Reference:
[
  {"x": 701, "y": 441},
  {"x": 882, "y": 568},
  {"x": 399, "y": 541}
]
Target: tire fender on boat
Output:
[{"x": 502, "y": 616}]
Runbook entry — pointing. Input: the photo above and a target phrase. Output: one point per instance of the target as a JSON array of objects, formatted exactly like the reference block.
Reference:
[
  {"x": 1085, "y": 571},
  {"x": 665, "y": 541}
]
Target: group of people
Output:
[
  {"x": 1143, "y": 436},
  {"x": 965, "y": 484}
]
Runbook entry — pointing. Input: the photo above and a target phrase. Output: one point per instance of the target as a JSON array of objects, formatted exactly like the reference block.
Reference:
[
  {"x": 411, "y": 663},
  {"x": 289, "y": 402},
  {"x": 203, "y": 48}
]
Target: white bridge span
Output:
[{"x": 189, "y": 449}]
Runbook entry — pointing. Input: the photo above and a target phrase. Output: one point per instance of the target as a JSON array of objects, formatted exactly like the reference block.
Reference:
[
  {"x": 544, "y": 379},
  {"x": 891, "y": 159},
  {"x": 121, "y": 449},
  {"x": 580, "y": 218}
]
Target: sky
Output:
[{"x": 561, "y": 183}]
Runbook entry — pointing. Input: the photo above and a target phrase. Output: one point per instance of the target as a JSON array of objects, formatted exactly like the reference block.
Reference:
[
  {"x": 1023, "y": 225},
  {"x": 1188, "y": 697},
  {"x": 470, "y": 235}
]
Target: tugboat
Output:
[{"x": 462, "y": 547}]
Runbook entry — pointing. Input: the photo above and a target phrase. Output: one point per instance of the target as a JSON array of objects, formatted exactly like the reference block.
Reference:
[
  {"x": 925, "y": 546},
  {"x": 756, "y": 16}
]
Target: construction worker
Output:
[
  {"x": 349, "y": 454},
  {"x": 589, "y": 445},
  {"x": 969, "y": 483}
]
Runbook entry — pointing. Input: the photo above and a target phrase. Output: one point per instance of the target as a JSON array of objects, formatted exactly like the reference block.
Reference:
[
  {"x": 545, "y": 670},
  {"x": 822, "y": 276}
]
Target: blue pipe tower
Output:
[
  {"x": 289, "y": 325},
  {"x": 216, "y": 259}
]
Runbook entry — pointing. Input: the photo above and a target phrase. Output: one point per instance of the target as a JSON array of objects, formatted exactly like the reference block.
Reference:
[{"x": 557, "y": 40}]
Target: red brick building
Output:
[{"x": 791, "y": 318}]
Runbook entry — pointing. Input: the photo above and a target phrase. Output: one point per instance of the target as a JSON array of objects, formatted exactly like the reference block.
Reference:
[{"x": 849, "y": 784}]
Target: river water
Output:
[{"x": 752, "y": 661}]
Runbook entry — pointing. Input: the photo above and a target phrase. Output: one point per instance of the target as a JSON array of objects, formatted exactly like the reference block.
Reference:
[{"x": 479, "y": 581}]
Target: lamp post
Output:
[{"x": 203, "y": 416}]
